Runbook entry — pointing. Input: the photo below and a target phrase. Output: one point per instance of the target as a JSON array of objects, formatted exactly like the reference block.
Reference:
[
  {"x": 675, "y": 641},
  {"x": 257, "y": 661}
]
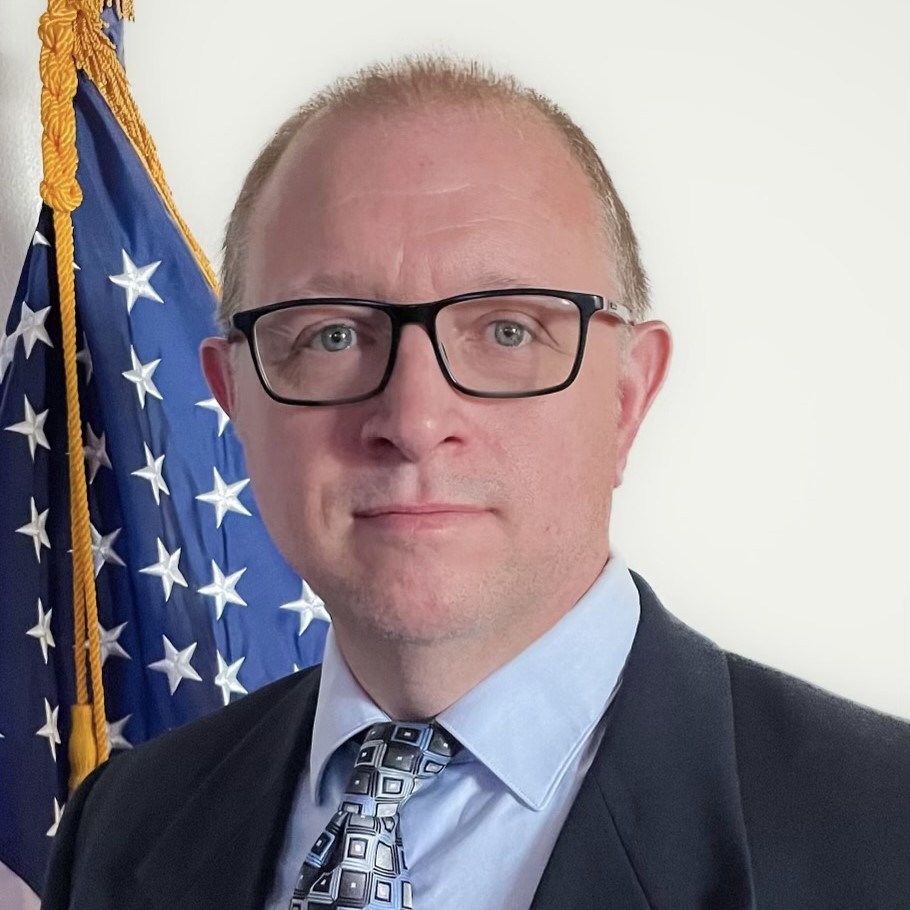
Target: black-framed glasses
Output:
[{"x": 513, "y": 343}]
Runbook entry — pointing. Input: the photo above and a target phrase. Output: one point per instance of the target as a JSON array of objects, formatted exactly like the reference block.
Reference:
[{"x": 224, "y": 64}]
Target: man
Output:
[{"x": 443, "y": 476}]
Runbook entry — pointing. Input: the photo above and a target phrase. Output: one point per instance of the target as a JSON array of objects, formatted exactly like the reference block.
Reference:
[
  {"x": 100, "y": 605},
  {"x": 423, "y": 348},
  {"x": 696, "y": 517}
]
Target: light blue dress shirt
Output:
[{"x": 482, "y": 834}]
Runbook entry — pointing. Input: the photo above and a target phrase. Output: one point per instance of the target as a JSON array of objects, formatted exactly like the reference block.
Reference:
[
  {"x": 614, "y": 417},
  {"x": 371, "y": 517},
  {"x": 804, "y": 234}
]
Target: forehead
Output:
[{"x": 410, "y": 199}]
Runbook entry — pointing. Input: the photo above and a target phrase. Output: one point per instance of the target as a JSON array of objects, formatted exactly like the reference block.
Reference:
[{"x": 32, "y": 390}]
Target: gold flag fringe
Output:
[
  {"x": 97, "y": 58},
  {"x": 72, "y": 39}
]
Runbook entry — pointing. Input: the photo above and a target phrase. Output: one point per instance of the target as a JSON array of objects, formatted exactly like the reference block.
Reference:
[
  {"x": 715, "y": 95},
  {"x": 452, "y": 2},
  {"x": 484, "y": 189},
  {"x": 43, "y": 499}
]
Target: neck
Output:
[{"x": 417, "y": 680}]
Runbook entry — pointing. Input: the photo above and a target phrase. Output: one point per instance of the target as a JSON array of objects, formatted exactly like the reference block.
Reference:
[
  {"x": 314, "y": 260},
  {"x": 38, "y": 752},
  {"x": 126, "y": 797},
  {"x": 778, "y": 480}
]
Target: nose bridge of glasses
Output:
[{"x": 420, "y": 315}]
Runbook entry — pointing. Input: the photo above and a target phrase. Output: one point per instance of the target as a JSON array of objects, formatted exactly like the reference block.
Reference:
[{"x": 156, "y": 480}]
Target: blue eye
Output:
[
  {"x": 510, "y": 334},
  {"x": 336, "y": 338}
]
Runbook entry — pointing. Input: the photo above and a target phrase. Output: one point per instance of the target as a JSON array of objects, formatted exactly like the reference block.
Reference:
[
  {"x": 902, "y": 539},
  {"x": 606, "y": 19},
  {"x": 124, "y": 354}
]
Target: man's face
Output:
[{"x": 412, "y": 206}]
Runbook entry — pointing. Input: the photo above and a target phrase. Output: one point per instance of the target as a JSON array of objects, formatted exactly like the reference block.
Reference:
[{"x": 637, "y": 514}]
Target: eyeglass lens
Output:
[{"x": 329, "y": 352}]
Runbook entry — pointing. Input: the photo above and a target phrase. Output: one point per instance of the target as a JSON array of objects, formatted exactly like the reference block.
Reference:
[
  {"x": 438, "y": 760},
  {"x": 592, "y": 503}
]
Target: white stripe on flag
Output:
[{"x": 14, "y": 893}]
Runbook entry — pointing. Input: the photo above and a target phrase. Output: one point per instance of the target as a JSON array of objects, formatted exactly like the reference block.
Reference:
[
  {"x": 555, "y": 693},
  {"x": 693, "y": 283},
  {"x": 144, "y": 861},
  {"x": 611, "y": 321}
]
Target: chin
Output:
[{"x": 416, "y": 613}]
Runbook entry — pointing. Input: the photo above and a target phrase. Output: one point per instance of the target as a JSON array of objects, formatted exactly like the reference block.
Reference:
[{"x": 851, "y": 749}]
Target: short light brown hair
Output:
[{"x": 417, "y": 81}]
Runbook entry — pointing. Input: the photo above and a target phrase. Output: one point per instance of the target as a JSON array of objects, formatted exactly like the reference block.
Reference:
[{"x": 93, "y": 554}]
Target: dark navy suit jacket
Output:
[{"x": 719, "y": 784}]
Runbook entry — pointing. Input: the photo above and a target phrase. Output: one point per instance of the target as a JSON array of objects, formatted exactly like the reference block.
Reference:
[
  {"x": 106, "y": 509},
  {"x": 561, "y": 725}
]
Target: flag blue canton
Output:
[{"x": 195, "y": 604}]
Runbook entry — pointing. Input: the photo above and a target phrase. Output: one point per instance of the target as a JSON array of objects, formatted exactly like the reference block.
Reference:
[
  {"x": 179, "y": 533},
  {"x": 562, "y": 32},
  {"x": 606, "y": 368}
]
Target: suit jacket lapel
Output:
[
  {"x": 220, "y": 848},
  {"x": 658, "y": 822},
  {"x": 589, "y": 866}
]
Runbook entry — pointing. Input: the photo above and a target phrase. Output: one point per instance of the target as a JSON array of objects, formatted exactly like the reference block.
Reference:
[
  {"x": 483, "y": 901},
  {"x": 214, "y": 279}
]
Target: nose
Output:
[{"x": 418, "y": 411}]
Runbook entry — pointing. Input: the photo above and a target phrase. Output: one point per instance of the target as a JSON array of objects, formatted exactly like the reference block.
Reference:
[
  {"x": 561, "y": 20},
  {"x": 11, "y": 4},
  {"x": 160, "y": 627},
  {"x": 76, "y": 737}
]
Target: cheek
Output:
[
  {"x": 564, "y": 468},
  {"x": 282, "y": 466}
]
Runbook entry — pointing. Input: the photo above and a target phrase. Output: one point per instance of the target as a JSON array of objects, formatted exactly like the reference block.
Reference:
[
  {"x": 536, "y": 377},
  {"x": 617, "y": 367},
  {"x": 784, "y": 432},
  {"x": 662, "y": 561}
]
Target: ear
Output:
[
  {"x": 646, "y": 365},
  {"x": 215, "y": 357}
]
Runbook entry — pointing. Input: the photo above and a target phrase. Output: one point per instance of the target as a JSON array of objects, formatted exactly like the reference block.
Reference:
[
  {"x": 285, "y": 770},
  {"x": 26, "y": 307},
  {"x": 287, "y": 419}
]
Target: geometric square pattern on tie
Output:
[{"x": 358, "y": 860}]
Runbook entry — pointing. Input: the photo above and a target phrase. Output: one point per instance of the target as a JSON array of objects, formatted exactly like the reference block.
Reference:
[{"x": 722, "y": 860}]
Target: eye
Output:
[
  {"x": 510, "y": 334},
  {"x": 334, "y": 338}
]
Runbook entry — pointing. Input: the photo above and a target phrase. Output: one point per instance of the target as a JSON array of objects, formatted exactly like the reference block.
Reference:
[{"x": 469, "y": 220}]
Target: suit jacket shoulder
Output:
[
  {"x": 198, "y": 807},
  {"x": 825, "y": 786},
  {"x": 724, "y": 785}
]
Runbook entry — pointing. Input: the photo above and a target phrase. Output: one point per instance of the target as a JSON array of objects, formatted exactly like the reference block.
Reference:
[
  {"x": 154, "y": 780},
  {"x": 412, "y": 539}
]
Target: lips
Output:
[{"x": 432, "y": 508}]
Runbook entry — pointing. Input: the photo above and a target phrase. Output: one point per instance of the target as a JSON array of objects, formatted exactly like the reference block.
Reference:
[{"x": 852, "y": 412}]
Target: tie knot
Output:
[
  {"x": 394, "y": 761},
  {"x": 358, "y": 861}
]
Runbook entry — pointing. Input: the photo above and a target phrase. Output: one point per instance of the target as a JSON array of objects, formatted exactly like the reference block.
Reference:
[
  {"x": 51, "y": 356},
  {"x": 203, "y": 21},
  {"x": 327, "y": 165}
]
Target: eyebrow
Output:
[
  {"x": 350, "y": 284},
  {"x": 329, "y": 284}
]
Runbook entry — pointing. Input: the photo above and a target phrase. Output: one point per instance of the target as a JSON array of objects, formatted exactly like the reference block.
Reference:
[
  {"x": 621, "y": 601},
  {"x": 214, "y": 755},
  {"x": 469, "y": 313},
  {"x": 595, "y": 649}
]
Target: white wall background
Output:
[{"x": 763, "y": 151}]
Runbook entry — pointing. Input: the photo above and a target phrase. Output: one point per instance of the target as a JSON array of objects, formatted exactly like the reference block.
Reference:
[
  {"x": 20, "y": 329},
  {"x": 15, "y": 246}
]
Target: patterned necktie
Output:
[{"x": 358, "y": 860}]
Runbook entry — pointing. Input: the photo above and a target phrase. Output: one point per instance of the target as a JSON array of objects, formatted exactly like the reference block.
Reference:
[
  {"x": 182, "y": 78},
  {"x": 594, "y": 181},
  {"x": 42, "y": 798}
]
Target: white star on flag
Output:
[
  {"x": 135, "y": 280},
  {"x": 58, "y": 814},
  {"x": 42, "y": 631},
  {"x": 7, "y": 352},
  {"x": 227, "y": 680},
  {"x": 103, "y": 549},
  {"x": 211, "y": 404},
  {"x": 309, "y": 605},
  {"x": 176, "y": 664},
  {"x": 222, "y": 589},
  {"x": 167, "y": 569},
  {"x": 152, "y": 473},
  {"x": 110, "y": 643},
  {"x": 49, "y": 730},
  {"x": 32, "y": 427},
  {"x": 95, "y": 451},
  {"x": 35, "y": 528},
  {"x": 141, "y": 376},
  {"x": 85, "y": 358},
  {"x": 224, "y": 497},
  {"x": 115, "y": 737},
  {"x": 31, "y": 328}
]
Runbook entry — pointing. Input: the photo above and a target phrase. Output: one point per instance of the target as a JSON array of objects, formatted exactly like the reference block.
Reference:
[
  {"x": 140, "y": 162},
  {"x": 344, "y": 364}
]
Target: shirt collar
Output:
[
  {"x": 343, "y": 709},
  {"x": 580, "y": 659},
  {"x": 556, "y": 691}
]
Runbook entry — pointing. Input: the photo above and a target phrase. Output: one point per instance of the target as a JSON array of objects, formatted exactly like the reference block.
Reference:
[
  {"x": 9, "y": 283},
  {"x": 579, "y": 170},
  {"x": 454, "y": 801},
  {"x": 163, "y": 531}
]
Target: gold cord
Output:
[{"x": 72, "y": 39}]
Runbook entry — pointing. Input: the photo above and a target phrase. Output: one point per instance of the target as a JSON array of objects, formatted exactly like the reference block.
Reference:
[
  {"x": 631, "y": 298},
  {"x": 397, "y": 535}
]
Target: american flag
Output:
[{"x": 196, "y": 607}]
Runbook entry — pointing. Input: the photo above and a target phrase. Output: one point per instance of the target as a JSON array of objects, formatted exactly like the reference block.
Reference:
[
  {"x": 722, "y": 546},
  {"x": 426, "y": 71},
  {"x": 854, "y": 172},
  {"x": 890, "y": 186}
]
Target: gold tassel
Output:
[{"x": 83, "y": 753}]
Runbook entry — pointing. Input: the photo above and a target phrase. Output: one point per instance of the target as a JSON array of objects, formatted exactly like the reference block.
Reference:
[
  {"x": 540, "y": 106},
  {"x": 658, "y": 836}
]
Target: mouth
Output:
[
  {"x": 410, "y": 517},
  {"x": 433, "y": 508}
]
